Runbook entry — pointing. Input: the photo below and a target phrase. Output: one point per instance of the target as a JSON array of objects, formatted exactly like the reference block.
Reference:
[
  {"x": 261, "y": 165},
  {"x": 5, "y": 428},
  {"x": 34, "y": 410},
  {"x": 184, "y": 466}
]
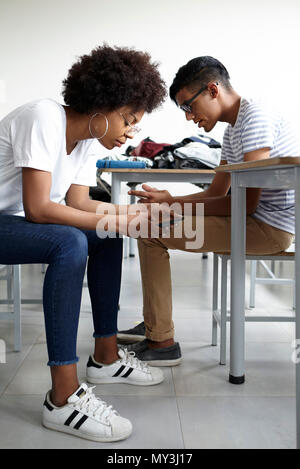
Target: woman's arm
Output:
[
  {"x": 40, "y": 209},
  {"x": 78, "y": 197}
]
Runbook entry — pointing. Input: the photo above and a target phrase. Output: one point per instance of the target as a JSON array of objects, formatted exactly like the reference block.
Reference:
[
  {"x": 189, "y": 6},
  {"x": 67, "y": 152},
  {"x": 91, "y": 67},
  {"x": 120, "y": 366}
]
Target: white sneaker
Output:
[
  {"x": 127, "y": 370},
  {"x": 86, "y": 416}
]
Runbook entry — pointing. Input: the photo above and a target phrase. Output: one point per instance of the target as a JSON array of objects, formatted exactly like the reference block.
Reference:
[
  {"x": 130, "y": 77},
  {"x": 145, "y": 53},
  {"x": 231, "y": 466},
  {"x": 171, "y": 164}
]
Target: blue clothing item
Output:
[
  {"x": 120, "y": 164},
  {"x": 67, "y": 250}
]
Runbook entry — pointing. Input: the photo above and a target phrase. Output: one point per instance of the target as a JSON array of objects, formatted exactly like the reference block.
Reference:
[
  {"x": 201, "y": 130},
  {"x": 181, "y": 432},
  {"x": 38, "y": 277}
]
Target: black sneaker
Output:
[
  {"x": 136, "y": 334},
  {"x": 167, "y": 356}
]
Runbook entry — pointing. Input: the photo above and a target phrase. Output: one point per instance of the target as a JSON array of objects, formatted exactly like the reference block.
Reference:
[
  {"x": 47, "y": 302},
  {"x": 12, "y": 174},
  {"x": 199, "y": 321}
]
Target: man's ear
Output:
[{"x": 213, "y": 89}]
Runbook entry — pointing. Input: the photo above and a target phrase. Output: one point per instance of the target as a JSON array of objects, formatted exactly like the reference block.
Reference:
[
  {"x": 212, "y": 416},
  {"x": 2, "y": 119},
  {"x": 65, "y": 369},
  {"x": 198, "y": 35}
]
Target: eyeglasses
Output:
[
  {"x": 186, "y": 105},
  {"x": 132, "y": 129}
]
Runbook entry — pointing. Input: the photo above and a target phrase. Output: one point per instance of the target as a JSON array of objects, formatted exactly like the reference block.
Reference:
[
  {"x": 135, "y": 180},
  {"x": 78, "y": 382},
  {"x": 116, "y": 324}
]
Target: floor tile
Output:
[
  {"x": 195, "y": 406},
  {"x": 33, "y": 376},
  {"x": 31, "y": 330},
  {"x": 269, "y": 372},
  {"x": 238, "y": 423},
  {"x": 21, "y": 427}
]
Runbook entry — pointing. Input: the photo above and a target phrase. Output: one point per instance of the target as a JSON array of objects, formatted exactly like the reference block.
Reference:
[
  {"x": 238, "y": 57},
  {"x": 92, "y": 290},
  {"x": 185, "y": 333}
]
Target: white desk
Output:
[
  {"x": 279, "y": 173},
  {"x": 139, "y": 176}
]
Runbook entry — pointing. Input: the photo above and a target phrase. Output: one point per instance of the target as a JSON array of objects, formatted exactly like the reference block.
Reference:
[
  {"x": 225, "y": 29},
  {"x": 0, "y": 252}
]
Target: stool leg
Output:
[
  {"x": 294, "y": 289},
  {"x": 125, "y": 247},
  {"x": 253, "y": 269},
  {"x": 273, "y": 266},
  {"x": 9, "y": 281},
  {"x": 223, "y": 312},
  {"x": 214, "y": 339},
  {"x": 17, "y": 307}
]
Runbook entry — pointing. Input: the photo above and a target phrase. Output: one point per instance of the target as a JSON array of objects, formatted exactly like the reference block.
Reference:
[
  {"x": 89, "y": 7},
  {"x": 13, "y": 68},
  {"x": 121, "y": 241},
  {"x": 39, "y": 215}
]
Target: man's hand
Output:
[{"x": 152, "y": 195}]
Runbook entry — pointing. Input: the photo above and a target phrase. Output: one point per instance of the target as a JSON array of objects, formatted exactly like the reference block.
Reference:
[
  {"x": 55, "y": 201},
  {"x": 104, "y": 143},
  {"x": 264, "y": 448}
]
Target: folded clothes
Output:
[
  {"x": 197, "y": 151},
  {"x": 120, "y": 164}
]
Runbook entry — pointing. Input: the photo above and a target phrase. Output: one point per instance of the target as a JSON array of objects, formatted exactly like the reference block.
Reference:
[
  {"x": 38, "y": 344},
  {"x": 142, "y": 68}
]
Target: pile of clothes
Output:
[
  {"x": 199, "y": 152},
  {"x": 196, "y": 152}
]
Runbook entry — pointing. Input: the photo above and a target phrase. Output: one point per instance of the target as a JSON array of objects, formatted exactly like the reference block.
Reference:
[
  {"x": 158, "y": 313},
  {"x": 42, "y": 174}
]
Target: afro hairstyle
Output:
[{"x": 112, "y": 77}]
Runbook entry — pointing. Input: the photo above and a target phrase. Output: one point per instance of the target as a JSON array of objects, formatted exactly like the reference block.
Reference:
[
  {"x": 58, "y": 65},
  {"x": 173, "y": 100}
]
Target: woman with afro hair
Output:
[{"x": 46, "y": 216}]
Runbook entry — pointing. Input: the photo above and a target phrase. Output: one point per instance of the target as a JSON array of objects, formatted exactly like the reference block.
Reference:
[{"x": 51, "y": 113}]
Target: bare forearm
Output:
[
  {"x": 65, "y": 215},
  {"x": 193, "y": 197},
  {"x": 218, "y": 206},
  {"x": 96, "y": 206}
]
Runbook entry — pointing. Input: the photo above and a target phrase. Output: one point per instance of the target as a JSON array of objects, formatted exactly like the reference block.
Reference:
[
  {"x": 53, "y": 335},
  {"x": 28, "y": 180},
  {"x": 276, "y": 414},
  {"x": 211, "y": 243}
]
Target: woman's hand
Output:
[
  {"x": 147, "y": 220},
  {"x": 152, "y": 195}
]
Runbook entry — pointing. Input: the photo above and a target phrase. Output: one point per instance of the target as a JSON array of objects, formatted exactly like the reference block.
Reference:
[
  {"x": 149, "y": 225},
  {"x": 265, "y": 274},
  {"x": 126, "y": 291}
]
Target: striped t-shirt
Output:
[{"x": 257, "y": 126}]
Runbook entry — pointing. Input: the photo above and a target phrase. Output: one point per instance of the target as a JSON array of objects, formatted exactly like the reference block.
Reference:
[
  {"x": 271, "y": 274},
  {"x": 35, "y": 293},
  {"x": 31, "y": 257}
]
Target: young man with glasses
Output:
[{"x": 202, "y": 90}]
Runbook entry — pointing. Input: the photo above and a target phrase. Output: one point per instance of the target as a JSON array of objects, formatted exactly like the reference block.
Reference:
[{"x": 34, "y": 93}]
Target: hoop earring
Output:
[{"x": 106, "y": 129}]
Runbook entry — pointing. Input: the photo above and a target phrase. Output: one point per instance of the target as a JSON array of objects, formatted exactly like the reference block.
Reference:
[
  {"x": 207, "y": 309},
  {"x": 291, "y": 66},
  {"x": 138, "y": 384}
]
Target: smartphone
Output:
[{"x": 170, "y": 222}]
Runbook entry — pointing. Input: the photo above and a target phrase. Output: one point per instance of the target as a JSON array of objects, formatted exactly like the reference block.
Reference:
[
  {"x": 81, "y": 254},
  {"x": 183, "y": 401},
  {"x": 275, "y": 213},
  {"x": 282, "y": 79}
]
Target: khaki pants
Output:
[{"x": 261, "y": 238}]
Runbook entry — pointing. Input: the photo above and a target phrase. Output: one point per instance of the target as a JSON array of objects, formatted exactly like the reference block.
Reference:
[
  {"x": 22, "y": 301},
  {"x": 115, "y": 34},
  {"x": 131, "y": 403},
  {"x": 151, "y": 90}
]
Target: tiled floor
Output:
[{"x": 195, "y": 407}]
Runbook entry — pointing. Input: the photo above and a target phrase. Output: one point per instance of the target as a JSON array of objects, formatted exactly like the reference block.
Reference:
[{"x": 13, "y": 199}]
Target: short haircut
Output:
[
  {"x": 199, "y": 72},
  {"x": 112, "y": 77}
]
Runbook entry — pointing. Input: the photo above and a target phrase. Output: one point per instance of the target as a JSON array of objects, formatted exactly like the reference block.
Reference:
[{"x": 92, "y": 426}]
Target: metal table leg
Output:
[
  {"x": 115, "y": 199},
  {"x": 237, "y": 316},
  {"x": 215, "y": 301},
  {"x": 115, "y": 188},
  {"x": 297, "y": 302}
]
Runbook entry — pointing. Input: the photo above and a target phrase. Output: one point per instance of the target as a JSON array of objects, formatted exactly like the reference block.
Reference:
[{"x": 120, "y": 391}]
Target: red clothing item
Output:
[{"x": 148, "y": 149}]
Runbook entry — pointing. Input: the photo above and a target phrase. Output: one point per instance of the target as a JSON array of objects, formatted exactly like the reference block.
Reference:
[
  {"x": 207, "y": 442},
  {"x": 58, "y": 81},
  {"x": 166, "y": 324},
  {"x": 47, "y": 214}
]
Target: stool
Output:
[
  {"x": 220, "y": 317},
  {"x": 271, "y": 279},
  {"x": 12, "y": 275}
]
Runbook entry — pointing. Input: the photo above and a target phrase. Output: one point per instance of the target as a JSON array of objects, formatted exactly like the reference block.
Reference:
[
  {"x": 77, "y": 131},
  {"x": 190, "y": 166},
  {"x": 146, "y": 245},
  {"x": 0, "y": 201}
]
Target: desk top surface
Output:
[
  {"x": 266, "y": 163},
  {"x": 162, "y": 171}
]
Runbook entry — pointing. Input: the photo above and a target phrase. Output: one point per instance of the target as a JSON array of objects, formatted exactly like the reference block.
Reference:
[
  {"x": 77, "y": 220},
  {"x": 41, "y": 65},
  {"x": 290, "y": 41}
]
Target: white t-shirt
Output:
[{"x": 34, "y": 136}]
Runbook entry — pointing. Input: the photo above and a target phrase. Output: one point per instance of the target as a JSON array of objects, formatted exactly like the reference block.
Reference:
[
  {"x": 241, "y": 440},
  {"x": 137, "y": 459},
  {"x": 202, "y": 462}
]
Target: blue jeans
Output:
[{"x": 67, "y": 250}]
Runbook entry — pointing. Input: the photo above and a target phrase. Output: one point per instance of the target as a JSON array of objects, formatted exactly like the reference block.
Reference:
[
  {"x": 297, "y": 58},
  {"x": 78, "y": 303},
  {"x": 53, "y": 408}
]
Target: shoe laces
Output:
[
  {"x": 94, "y": 406},
  {"x": 129, "y": 358}
]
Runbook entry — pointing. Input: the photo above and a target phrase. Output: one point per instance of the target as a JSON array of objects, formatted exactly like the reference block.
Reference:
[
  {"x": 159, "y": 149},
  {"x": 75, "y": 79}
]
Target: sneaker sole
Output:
[
  {"x": 161, "y": 363},
  {"x": 130, "y": 339},
  {"x": 70, "y": 431},
  {"x": 120, "y": 380}
]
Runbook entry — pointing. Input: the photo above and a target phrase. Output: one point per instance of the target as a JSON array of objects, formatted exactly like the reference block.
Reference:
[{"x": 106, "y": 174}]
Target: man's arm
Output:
[
  {"x": 215, "y": 199},
  {"x": 221, "y": 205},
  {"x": 219, "y": 186}
]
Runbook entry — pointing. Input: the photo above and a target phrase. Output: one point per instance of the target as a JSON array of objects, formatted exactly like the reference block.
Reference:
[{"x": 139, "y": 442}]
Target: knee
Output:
[
  {"x": 73, "y": 245},
  {"x": 150, "y": 242},
  {"x": 110, "y": 244},
  {"x": 116, "y": 245}
]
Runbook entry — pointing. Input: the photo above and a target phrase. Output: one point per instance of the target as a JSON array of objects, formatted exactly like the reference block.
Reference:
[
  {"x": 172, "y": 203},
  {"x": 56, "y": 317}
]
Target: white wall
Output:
[{"x": 258, "y": 41}]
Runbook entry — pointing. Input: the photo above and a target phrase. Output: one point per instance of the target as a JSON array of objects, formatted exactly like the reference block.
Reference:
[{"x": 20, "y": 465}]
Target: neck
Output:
[
  {"x": 231, "y": 106},
  {"x": 77, "y": 127}
]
